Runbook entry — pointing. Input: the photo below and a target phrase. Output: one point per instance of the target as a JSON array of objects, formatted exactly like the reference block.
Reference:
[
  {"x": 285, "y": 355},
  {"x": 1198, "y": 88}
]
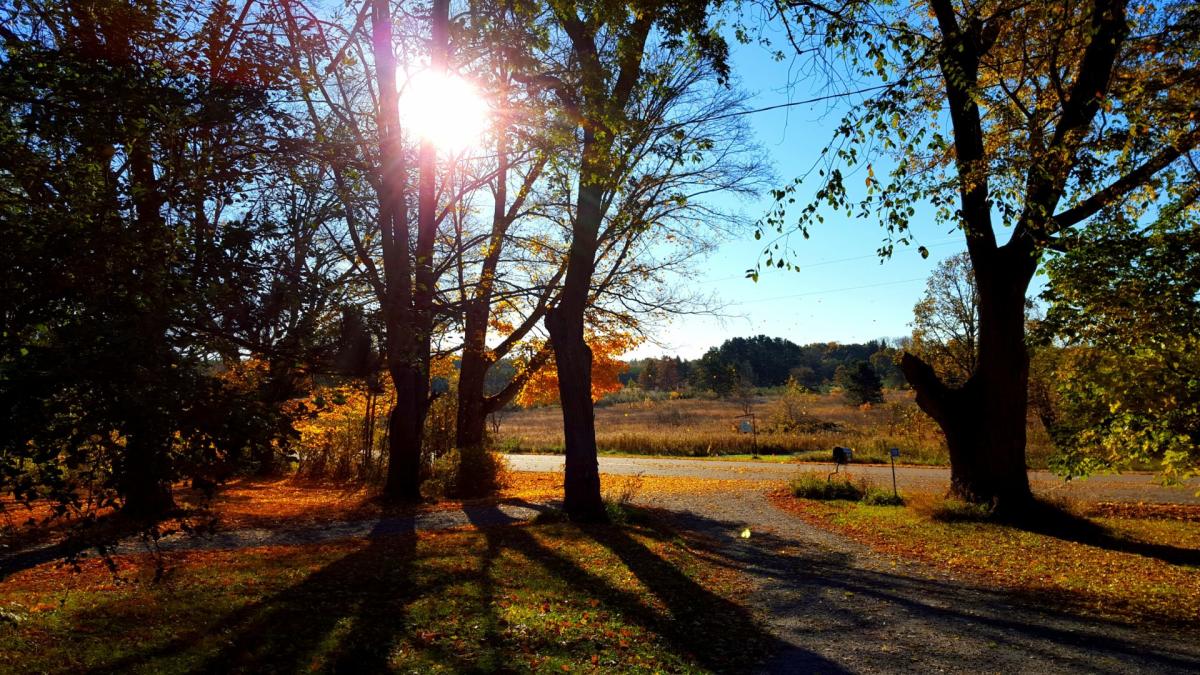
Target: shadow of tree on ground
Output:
[{"x": 868, "y": 618}]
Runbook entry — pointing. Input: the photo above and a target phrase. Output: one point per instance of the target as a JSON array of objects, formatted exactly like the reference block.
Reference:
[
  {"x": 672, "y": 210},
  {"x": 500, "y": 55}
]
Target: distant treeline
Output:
[{"x": 763, "y": 361}]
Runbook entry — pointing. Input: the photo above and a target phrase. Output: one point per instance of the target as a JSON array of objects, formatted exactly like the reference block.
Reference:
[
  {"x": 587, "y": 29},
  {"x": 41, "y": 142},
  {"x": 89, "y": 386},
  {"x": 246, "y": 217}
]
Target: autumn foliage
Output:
[{"x": 606, "y": 367}]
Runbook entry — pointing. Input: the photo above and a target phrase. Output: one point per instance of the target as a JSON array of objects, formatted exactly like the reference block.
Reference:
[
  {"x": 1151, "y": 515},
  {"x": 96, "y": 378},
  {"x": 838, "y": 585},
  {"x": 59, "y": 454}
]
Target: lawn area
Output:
[
  {"x": 548, "y": 597},
  {"x": 1125, "y": 561},
  {"x": 708, "y": 428}
]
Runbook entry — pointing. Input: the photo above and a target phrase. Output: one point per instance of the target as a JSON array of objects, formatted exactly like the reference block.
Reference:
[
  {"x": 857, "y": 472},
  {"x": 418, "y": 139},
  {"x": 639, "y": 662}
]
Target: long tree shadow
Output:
[
  {"x": 826, "y": 599},
  {"x": 717, "y": 633},
  {"x": 344, "y": 617},
  {"x": 1050, "y": 520}
]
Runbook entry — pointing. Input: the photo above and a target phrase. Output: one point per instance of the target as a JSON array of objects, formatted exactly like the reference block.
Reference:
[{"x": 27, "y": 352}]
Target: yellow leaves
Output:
[
  {"x": 339, "y": 409},
  {"x": 607, "y": 366},
  {"x": 1070, "y": 572}
]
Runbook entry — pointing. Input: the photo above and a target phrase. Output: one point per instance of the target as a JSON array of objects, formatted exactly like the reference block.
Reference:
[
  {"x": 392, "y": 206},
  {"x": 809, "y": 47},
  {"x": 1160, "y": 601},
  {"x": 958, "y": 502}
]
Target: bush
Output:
[
  {"x": 466, "y": 474},
  {"x": 618, "y": 498},
  {"x": 878, "y": 497},
  {"x": 819, "y": 486}
]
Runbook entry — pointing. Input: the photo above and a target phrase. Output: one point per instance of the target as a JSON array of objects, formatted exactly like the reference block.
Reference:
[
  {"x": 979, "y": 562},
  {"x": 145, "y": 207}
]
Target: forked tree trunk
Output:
[
  {"x": 985, "y": 419},
  {"x": 474, "y": 404},
  {"x": 411, "y": 280}
]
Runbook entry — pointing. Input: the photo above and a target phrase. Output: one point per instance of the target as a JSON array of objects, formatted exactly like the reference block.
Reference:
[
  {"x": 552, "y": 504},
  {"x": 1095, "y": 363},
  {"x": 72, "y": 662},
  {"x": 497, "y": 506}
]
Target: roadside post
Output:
[
  {"x": 750, "y": 427},
  {"x": 894, "y": 453}
]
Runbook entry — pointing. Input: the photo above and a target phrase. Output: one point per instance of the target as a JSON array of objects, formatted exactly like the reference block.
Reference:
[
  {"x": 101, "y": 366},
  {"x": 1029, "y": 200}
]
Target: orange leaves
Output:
[
  {"x": 1114, "y": 578},
  {"x": 607, "y": 349}
]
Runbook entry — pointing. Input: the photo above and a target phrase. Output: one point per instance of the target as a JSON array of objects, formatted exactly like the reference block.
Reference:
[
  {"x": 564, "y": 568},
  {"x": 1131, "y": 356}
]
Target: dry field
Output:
[{"x": 805, "y": 427}]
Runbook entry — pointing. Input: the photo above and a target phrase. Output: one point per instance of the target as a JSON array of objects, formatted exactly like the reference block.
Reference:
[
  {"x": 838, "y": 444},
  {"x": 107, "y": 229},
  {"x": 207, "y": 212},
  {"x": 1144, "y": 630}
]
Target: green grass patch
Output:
[
  {"x": 823, "y": 487},
  {"x": 878, "y": 497},
  {"x": 540, "y": 598}
]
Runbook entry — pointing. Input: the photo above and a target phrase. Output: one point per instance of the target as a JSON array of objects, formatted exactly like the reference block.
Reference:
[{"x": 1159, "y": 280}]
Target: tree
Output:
[
  {"x": 136, "y": 144},
  {"x": 860, "y": 383},
  {"x": 607, "y": 45},
  {"x": 1057, "y": 111},
  {"x": 1125, "y": 379},
  {"x": 389, "y": 245},
  {"x": 946, "y": 321}
]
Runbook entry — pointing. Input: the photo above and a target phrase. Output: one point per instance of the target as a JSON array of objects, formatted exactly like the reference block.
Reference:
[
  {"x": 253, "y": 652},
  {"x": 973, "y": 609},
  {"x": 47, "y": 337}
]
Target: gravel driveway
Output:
[
  {"x": 1128, "y": 487},
  {"x": 840, "y": 607},
  {"x": 834, "y": 605}
]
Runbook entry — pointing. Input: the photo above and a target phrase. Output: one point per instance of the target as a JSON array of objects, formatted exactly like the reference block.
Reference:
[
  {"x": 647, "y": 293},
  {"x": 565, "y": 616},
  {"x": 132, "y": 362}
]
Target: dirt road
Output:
[{"x": 1130, "y": 487}]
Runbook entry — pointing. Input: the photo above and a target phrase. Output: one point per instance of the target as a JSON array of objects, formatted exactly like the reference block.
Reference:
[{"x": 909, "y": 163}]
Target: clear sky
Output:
[{"x": 842, "y": 292}]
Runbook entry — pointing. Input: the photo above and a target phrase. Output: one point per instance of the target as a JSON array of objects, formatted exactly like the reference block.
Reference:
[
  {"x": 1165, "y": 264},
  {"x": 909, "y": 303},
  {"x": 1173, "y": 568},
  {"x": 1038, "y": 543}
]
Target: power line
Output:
[
  {"x": 821, "y": 263},
  {"x": 829, "y": 290},
  {"x": 778, "y": 106}
]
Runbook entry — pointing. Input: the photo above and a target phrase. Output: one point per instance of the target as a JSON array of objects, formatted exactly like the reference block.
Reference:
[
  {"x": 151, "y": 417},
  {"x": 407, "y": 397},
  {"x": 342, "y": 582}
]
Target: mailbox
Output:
[{"x": 842, "y": 455}]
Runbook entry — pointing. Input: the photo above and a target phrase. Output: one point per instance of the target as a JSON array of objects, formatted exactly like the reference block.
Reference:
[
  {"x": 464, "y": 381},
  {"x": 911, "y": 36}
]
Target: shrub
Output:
[
  {"x": 819, "y": 486},
  {"x": 618, "y": 498},
  {"x": 878, "y": 497},
  {"x": 466, "y": 475}
]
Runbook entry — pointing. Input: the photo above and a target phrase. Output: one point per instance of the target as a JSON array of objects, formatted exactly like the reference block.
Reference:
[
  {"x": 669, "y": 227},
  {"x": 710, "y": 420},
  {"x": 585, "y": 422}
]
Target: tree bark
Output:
[
  {"x": 141, "y": 484},
  {"x": 572, "y": 356},
  {"x": 472, "y": 409},
  {"x": 984, "y": 420}
]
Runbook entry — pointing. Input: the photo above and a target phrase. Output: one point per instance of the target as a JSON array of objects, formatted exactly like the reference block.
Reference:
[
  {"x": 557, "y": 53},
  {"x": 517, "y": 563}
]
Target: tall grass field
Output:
[{"x": 805, "y": 426}]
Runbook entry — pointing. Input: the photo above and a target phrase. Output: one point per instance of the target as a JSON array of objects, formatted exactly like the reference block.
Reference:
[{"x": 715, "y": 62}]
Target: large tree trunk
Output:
[
  {"x": 406, "y": 425},
  {"x": 472, "y": 404},
  {"x": 141, "y": 485},
  {"x": 985, "y": 419},
  {"x": 573, "y": 357}
]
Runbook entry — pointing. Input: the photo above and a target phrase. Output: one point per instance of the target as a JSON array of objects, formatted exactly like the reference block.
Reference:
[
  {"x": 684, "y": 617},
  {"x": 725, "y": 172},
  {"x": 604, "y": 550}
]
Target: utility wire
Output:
[
  {"x": 821, "y": 263},
  {"x": 829, "y": 290}
]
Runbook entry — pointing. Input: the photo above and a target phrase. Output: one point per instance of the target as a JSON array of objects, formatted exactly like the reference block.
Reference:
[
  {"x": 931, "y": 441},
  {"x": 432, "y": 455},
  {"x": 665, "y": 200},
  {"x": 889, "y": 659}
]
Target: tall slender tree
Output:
[{"x": 606, "y": 43}]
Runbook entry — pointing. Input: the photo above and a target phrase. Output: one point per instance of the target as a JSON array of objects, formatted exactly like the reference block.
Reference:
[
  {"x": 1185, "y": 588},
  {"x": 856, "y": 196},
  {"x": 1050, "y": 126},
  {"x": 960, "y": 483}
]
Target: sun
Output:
[{"x": 445, "y": 109}]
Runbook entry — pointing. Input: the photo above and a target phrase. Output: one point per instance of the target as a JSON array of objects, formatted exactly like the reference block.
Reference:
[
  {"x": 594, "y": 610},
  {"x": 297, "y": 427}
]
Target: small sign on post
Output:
[
  {"x": 895, "y": 452},
  {"x": 750, "y": 426}
]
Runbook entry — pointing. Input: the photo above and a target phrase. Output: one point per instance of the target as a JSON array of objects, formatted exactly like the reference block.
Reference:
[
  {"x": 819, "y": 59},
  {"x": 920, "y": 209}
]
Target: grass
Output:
[
  {"x": 822, "y": 487},
  {"x": 708, "y": 428},
  {"x": 826, "y": 487},
  {"x": 1134, "y": 562},
  {"x": 552, "y": 596},
  {"x": 541, "y": 598}
]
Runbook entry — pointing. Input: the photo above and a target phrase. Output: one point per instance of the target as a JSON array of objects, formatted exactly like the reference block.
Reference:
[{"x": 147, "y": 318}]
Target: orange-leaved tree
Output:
[{"x": 542, "y": 387}]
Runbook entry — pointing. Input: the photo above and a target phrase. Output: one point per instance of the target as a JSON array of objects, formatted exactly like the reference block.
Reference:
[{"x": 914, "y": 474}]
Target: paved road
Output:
[{"x": 1130, "y": 487}]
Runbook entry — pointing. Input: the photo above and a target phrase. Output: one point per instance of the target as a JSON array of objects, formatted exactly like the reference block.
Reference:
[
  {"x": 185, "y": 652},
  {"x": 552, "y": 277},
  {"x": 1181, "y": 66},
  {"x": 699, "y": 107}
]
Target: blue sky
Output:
[{"x": 842, "y": 292}]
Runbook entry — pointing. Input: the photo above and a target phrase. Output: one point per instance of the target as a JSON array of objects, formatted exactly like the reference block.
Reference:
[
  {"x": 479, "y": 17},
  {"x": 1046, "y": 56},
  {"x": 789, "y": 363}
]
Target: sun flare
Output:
[{"x": 445, "y": 109}]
